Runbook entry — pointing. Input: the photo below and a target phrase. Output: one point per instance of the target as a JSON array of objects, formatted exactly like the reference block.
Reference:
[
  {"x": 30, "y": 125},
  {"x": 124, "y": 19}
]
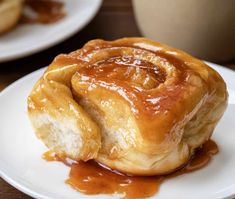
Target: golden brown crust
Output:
[{"x": 152, "y": 103}]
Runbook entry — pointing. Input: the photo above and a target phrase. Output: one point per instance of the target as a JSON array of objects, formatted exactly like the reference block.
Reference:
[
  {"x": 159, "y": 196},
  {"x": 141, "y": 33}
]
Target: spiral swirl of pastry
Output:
[{"x": 132, "y": 104}]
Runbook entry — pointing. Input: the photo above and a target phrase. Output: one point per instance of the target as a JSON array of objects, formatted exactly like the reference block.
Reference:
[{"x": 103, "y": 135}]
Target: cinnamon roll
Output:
[
  {"x": 10, "y": 12},
  {"x": 134, "y": 105}
]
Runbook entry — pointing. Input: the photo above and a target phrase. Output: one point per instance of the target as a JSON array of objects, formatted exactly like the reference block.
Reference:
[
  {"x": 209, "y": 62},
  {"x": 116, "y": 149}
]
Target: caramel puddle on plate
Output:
[
  {"x": 44, "y": 11},
  {"x": 91, "y": 178}
]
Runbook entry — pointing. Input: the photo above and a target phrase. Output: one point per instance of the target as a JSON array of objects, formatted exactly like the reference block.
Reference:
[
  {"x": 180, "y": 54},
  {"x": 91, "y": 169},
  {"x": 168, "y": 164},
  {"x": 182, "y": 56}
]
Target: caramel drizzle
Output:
[
  {"x": 45, "y": 11},
  {"x": 92, "y": 178}
]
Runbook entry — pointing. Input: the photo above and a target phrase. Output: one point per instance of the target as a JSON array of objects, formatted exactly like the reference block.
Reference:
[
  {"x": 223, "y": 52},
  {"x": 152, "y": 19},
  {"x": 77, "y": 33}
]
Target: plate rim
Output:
[{"x": 59, "y": 39}]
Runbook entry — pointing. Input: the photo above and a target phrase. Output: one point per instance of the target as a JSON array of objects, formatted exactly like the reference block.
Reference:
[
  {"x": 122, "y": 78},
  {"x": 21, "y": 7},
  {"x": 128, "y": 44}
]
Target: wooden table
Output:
[{"x": 114, "y": 20}]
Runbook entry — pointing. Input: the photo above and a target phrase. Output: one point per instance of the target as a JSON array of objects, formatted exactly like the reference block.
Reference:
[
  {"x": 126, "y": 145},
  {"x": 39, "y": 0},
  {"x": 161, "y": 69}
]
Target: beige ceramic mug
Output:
[{"x": 204, "y": 28}]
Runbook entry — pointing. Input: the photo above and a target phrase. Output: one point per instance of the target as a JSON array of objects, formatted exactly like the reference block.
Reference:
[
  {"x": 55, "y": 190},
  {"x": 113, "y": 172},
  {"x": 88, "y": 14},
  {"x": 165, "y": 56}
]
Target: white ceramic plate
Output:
[
  {"x": 22, "y": 166},
  {"x": 28, "y": 39}
]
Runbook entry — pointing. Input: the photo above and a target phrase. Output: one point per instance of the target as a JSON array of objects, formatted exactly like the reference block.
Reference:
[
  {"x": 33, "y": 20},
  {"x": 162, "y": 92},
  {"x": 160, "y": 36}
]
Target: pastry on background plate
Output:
[
  {"x": 10, "y": 13},
  {"x": 133, "y": 104}
]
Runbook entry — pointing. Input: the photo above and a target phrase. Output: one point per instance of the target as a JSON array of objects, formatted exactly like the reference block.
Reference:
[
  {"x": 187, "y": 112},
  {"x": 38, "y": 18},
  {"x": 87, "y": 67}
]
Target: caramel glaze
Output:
[
  {"x": 47, "y": 11},
  {"x": 115, "y": 73},
  {"x": 143, "y": 84},
  {"x": 92, "y": 178}
]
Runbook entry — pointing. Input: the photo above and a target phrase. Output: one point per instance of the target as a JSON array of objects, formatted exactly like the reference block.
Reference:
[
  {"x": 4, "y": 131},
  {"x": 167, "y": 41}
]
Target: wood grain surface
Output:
[{"x": 114, "y": 20}]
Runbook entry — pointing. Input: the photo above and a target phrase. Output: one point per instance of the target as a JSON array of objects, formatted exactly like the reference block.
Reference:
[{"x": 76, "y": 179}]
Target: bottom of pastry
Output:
[{"x": 93, "y": 178}]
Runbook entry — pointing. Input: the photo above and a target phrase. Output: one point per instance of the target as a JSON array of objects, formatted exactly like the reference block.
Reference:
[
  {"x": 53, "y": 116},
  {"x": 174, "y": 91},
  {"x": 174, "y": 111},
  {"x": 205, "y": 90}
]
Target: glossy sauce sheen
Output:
[
  {"x": 124, "y": 68},
  {"x": 91, "y": 178},
  {"x": 138, "y": 80},
  {"x": 46, "y": 11}
]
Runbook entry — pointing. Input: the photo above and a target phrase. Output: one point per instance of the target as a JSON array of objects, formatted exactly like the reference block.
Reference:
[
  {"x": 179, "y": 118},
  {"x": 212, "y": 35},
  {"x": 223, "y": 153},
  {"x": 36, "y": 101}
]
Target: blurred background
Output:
[{"x": 205, "y": 29}]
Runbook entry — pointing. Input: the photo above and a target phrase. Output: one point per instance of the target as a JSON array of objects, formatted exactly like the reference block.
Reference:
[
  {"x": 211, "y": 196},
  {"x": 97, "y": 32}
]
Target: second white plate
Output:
[{"x": 28, "y": 39}]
